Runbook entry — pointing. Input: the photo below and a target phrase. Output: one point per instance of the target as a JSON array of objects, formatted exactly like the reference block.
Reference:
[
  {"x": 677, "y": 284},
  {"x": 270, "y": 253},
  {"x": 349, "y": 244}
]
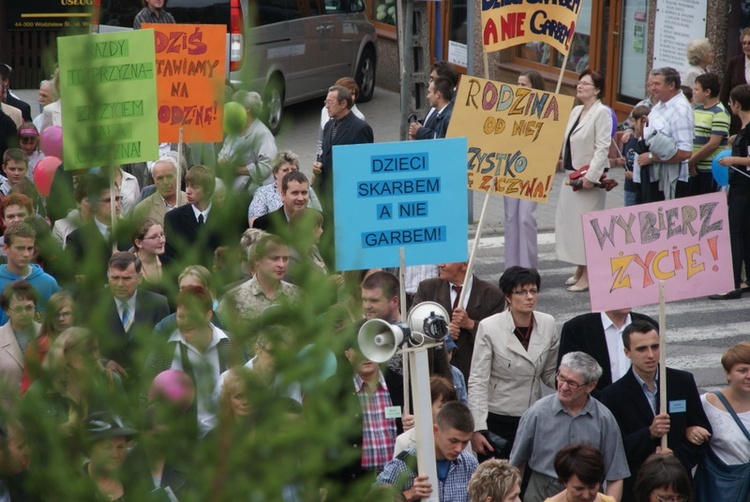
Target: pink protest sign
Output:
[{"x": 684, "y": 242}]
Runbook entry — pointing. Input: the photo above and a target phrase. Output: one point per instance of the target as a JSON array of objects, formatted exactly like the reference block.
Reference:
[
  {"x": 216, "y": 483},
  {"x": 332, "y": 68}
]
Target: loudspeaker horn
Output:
[
  {"x": 379, "y": 340},
  {"x": 430, "y": 319}
]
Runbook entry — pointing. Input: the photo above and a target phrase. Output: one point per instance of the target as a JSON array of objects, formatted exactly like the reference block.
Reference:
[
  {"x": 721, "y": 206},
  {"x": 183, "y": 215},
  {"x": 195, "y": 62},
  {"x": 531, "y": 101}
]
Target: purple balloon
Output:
[
  {"x": 614, "y": 120},
  {"x": 51, "y": 142}
]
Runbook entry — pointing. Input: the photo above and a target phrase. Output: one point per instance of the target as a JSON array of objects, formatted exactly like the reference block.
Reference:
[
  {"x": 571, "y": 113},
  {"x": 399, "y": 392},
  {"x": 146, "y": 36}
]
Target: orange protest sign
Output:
[
  {"x": 190, "y": 65},
  {"x": 506, "y": 23}
]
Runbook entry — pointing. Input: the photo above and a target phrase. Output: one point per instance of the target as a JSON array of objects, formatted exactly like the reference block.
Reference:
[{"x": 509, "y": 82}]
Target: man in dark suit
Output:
[
  {"x": 599, "y": 335},
  {"x": 634, "y": 401},
  {"x": 295, "y": 195},
  {"x": 439, "y": 69},
  {"x": 90, "y": 245},
  {"x": 201, "y": 225},
  {"x": 10, "y": 98},
  {"x": 440, "y": 97},
  {"x": 345, "y": 128},
  {"x": 129, "y": 314},
  {"x": 482, "y": 300}
]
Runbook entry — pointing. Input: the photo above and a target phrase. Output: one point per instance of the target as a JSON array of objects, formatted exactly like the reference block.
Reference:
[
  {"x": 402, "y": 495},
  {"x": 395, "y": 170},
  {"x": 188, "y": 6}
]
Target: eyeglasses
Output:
[
  {"x": 671, "y": 498},
  {"x": 570, "y": 383},
  {"x": 108, "y": 200},
  {"x": 526, "y": 292},
  {"x": 23, "y": 310},
  {"x": 328, "y": 102},
  {"x": 157, "y": 237},
  {"x": 584, "y": 83}
]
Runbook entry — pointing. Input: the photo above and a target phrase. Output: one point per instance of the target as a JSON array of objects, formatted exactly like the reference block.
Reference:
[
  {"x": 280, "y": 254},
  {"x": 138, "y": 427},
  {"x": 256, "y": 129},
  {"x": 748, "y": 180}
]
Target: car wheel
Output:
[
  {"x": 273, "y": 102},
  {"x": 365, "y": 76}
]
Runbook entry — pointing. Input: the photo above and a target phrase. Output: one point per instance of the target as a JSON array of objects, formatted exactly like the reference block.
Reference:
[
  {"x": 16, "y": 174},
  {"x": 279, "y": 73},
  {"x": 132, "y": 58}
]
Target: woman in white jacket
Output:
[{"x": 514, "y": 352}]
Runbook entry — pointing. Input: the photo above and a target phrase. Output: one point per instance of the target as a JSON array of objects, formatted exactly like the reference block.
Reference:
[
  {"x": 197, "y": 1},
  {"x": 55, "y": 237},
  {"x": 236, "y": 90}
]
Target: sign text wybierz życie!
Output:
[{"x": 684, "y": 242}]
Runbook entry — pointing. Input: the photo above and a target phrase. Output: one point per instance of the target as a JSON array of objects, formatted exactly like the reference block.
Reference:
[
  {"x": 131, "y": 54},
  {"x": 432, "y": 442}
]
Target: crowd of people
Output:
[{"x": 190, "y": 340}]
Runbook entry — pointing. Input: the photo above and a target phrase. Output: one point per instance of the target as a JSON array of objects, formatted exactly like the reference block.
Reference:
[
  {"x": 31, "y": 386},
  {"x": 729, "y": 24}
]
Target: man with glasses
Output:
[
  {"x": 90, "y": 245},
  {"x": 634, "y": 401},
  {"x": 599, "y": 334},
  {"x": 569, "y": 416}
]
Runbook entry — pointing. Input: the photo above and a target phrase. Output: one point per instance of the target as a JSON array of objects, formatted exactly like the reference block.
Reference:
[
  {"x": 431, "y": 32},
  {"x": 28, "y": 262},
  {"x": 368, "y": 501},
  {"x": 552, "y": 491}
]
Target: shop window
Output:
[
  {"x": 383, "y": 11},
  {"x": 547, "y": 58}
]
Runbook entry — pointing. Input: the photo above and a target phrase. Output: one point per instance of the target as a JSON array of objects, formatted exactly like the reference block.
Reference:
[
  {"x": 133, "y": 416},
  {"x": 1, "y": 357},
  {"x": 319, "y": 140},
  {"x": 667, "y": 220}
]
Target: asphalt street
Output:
[{"x": 698, "y": 330}]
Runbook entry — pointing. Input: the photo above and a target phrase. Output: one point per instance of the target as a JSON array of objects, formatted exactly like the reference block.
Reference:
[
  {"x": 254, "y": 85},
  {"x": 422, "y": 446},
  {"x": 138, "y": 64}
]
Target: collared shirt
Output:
[
  {"x": 547, "y": 426},
  {"x": 453, "y": 489},
  {"x": 710, "y": 121},
  {"x": 248, "y": 300},
  {"x": 650, "y": 394},
  {"x": 146, "y": 15},
  {"x": 416, "y": 274},
  {"x": 267, "y": 199},
  {"x": 618, "y": 361},
  {"x": 454, "y": 294},
  {"x": 378, "y": 432},
  {"x": 675, "y": 119},
  {"x": 103, "y": 229},
  {"x": 206, "y": 370},
  {"x": 130, "y": 302},
  {"x": 747, "y": 69},
  {"x": 197, "y": 212}
]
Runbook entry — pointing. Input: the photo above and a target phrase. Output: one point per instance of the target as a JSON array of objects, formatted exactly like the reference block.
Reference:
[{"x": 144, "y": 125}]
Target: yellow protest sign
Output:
[
  {"x": 506, "y": 23},
  {"x": 514, "y": 134}
]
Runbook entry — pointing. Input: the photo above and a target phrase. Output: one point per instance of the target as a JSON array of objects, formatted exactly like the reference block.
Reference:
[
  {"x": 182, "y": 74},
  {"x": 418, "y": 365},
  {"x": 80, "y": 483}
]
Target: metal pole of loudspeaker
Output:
[{"x": 420, "y": 385}]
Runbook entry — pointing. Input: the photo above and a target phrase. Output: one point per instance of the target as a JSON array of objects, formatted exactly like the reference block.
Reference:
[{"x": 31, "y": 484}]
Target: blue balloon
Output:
[{"x": 720, "y": 173}]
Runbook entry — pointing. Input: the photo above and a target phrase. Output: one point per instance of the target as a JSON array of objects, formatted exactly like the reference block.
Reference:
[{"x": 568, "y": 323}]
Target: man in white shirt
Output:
[{"x": 673, "y": 117}]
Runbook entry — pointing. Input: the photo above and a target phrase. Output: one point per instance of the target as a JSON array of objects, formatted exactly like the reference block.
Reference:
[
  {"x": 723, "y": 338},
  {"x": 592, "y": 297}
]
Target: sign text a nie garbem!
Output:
[
  {"x": 514, "y": 136},
  {"x": 683, "y": 242},
  {"x": 506, "y": 23}
]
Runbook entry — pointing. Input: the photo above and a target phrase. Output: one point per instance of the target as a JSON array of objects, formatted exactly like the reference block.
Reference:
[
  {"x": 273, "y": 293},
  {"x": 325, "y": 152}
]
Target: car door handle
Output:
[
  {"x": 320, "y": 28},
  {"x": 329, "y": 27}
]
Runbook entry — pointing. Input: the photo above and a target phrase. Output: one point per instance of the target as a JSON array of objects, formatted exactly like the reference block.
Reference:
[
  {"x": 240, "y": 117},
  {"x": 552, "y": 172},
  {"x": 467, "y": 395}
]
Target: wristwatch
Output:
[{"x": 650, "y": 156}]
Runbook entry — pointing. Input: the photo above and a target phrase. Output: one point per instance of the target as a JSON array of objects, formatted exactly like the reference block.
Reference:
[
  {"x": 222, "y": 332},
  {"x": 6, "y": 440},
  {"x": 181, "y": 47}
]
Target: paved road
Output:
[{"x": 698, "y": 330}]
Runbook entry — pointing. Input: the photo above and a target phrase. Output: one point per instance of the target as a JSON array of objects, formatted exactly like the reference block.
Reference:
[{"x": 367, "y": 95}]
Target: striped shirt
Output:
[
  {"x": 146, "y": 15},
  {"x": 710, "y": 121}
]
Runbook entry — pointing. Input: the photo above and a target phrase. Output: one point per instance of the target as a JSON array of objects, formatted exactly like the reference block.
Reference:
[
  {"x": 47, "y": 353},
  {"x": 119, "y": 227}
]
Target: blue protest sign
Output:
[{"x": 410, "y": 194}]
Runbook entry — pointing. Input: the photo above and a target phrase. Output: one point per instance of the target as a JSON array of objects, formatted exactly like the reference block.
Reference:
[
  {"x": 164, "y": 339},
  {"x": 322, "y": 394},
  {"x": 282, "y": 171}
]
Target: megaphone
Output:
[
  {"x": 430, "y": 319},
  {"x": 379, "y": 340}
]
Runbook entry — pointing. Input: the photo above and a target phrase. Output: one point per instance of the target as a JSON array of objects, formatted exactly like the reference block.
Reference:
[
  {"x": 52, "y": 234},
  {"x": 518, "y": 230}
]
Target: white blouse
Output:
[{"x": 727, "y": 442}]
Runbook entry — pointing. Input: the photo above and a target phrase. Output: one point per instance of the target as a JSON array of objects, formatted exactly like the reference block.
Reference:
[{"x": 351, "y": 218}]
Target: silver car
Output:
[{"x": 287, "y": 50}]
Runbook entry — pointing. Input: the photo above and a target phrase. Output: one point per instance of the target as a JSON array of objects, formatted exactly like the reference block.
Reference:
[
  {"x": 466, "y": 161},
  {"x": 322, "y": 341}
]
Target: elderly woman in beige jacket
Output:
[
  {"x": 514, "y": 352},
  {"x": 587, "y": 140}
]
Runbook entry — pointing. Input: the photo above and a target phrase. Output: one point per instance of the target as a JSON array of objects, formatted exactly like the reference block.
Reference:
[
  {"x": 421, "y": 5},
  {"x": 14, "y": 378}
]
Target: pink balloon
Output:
[
  {"x": 51, "y": 142},
  {"x": 174, "y": 386},
  {"x": 44, "y": 174}
]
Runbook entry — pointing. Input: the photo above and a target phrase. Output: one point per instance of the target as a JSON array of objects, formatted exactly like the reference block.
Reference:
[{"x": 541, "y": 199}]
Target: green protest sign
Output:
[{"x": 108, "y": 96}]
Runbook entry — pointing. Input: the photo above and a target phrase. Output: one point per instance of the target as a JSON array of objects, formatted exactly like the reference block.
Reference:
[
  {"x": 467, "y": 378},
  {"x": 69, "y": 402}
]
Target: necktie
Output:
[
  {"x": 200, "y": 220},
  {"x": 457, "y": 289},
  {"x": 127, "y": 318},
  {"x": 334, "y": 130}
]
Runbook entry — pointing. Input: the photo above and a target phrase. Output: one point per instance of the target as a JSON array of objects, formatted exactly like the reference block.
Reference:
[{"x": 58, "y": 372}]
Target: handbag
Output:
[
  {"x": 575, "y": 179},
  {"x": 715, "y": 480}
]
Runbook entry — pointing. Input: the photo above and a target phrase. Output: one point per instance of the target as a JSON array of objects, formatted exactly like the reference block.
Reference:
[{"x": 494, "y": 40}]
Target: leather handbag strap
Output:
[{"x": 733, "y": 413}]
